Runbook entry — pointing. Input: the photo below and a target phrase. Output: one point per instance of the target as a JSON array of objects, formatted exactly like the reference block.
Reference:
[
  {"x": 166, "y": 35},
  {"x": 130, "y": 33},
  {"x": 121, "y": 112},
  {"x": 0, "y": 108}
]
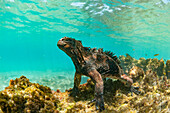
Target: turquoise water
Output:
[{"x": 30, "y": 29}]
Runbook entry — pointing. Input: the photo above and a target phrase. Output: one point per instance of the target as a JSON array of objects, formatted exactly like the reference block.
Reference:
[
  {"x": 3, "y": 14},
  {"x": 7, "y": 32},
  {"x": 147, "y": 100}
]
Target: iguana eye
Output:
[{"x": 68, "y": 39}]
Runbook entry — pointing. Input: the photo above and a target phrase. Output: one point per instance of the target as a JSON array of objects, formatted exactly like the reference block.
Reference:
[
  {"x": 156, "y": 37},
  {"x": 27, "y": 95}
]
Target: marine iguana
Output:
[{"x": 96, "y": 64}]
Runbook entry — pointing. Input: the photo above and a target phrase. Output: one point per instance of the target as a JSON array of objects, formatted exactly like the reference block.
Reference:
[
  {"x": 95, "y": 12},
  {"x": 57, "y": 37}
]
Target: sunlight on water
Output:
[{"x": 130, "y": 19}]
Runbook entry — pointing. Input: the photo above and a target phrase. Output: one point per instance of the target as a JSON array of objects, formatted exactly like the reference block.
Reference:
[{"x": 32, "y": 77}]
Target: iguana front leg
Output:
[
  {"x": 77, "y": 80},
  {"x": 95, "y": 75}
]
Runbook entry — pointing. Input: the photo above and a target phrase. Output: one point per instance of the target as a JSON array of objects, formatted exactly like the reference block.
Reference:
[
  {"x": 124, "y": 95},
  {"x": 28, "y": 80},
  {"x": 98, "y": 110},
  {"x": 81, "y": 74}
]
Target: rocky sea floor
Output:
[{"x": 150, "y": 75}]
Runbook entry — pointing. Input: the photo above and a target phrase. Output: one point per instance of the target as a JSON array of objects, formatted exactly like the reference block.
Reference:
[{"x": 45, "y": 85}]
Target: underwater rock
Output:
[
  {"x": 151, "y": 78},
  {"x": 23, "y": 96},
  {"x": 158, "y": 66},
  {"x": 127, "y": 62},
  {"x": 136, "y": 73},
  {"x": 168, "y": 68}
]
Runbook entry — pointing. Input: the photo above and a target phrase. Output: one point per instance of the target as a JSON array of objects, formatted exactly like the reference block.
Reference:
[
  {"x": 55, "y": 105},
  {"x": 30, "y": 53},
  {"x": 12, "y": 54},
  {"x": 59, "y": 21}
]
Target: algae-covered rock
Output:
[
  {"x": 136, "y": 73},
  {"x": 151, "y": 78},
  {"x": 23, "y": 96},
  {"x": 158, "y": 66},
  {"x": 168, "y": 68}
]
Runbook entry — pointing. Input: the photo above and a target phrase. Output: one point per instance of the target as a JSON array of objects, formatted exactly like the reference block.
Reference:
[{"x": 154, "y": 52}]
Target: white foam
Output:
[
  {"x": 100, "y": 13},
  {"x": 11, "y": 0},
  {"x": 44, "y": 0},
  {"x": 166, "y": 1},
  {"x": 78, "y": 4},
  {"x": 7, "y": 7},
  {"x": 117, "y": 8},
  {"x": 87, "y": 7}
]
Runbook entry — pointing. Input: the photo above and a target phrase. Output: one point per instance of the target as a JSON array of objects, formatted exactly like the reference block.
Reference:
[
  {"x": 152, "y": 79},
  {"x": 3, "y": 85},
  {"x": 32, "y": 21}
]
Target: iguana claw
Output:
[
  {"x": 99, "y": 102},
  {"x": 92, "y": 101},
  {"x": 135, "y": 90}
]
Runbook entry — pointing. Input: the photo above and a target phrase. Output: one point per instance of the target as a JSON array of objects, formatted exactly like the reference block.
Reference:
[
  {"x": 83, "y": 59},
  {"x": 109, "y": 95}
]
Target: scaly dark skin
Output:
[{"x": 95, "y": 64}]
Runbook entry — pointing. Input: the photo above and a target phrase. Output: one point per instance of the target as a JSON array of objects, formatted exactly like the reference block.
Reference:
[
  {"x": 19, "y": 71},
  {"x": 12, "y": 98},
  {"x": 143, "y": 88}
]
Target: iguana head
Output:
[{"x": 69, "y": 45}]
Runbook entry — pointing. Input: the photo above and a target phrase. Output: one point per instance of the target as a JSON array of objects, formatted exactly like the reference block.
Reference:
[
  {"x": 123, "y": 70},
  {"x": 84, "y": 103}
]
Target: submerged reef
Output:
[
  {"x": 150, "y": 75},
  {"x": 23, "y": 96},
  {"x": 158, "y": 66},
  {"x": 168, "y": 68}
]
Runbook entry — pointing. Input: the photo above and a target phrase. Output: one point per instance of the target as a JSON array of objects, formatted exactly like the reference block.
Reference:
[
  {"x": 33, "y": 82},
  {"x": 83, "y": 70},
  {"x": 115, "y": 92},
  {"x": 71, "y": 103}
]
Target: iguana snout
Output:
[
  {"x": 68, "y": 45},
  {"x": 63, "y": 43}
]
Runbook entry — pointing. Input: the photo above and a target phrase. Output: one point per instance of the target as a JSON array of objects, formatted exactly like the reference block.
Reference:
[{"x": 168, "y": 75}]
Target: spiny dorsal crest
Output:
[
  {"x": 113, "y": 56},
  {"x": 101, "y": 51}
]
